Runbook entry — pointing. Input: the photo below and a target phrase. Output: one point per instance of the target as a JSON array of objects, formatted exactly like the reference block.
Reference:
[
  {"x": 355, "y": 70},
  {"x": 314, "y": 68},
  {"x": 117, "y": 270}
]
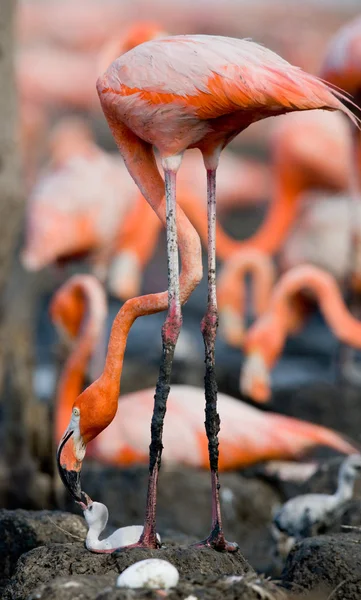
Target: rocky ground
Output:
[{"x": 42, "y": 553}]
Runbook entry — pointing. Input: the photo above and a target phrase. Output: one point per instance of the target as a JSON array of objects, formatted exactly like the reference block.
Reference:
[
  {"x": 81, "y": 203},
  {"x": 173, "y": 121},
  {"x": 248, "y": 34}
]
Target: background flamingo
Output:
[
  {"x": 265, "y": 339},
  {"x": 248, "y": 436}
]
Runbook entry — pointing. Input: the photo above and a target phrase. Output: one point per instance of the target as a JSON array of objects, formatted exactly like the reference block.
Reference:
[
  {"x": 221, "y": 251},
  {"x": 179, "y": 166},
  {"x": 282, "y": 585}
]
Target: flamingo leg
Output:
[
  {"x": 170, "y": 333},
  {"x": 209, "y": 325}
]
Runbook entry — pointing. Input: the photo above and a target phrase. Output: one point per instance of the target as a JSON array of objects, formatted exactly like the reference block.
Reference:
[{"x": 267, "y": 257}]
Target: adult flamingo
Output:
[
  {"x": 84, "y": 204},
  {"x": 265, "y": 340},
  {"x": 248, "y": 435},
  {"x": 342, "y": 67},
  {"x": 177, "y": 93},
  {"x": 43, "y": 75}
]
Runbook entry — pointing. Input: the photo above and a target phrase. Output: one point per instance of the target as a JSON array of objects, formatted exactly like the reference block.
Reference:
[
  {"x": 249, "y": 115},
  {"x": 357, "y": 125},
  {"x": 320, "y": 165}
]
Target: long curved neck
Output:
[
  {"x": 92, "y": 539},
  {"x": 325, "y": 289},
  {"x": 345, "y": 486},
  {"x": 72, "y": 377},
  {"x": 130, "y": 311},
  {"x": 231, "y": 287},
  {"x": 273, "y": 231},
  {"x": 280, "y": 217}
]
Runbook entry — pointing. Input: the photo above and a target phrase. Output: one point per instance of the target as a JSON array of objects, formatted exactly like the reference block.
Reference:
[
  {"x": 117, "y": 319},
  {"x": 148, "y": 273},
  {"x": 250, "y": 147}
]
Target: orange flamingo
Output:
[
  {"x": 177, "y": 93},
  {"x": 231, "y": 293},
  {"x": 265, "y": 340},
  {"x": 248, "y": 435}
]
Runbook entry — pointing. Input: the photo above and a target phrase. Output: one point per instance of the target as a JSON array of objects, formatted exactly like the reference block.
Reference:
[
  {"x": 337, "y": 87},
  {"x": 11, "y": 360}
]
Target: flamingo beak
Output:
[{"x": 69, "y": 466}]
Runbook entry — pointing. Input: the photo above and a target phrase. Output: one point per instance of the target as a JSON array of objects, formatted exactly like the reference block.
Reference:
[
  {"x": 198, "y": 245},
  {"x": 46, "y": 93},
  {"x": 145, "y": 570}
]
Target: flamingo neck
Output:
[
  {"x": 271, "y": 234},
  {"x": 92, "y": 538},
  {"x": 345, "y": 486},
  {"x": 232, "y": 280},
  {"x": 280, "y": 216},
  {"x": 325, "y": 289},
  {"x": 72, "y": 377},
  {"x": 130, "y": 311}
]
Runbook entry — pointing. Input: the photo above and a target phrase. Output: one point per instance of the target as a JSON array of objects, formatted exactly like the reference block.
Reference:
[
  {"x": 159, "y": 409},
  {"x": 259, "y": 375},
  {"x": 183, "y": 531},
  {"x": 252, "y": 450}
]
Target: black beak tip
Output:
[{"x": 70, "y": 478}]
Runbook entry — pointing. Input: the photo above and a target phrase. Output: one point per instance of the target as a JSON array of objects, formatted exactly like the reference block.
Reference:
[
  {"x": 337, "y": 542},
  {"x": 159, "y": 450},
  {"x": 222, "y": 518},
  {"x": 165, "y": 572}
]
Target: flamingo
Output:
[
  {"x": 265, "y": 339},
  {"x": 342, "y": 60},
  {"x": 43, "y": 75},
  {"x": 248, "y": 436},
  {"x": 342, "y": 66},
  {"x": 74, "y": 210},
  {"x": 321, "y": 237},
  {"x": 173, "y": 94},
  {"x": 307, "y": 515},
  {"x": 231, "y": 293}
]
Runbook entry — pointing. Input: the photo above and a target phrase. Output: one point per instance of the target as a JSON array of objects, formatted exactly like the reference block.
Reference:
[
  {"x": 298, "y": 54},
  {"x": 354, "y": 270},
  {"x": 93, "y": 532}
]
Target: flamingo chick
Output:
[
  {"x": 96, "y": 515},
  {"x": 310, "y": 514},
  {"x": 266, "y": 338},
  {"x": 177, "y": 93}
]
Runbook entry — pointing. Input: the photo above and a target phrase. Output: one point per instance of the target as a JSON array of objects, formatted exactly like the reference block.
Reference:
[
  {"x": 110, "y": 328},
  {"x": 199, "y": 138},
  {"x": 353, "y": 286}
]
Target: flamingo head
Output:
[
  {"x": 255, "y": 377},
  {"x": 92, "y": 412}
]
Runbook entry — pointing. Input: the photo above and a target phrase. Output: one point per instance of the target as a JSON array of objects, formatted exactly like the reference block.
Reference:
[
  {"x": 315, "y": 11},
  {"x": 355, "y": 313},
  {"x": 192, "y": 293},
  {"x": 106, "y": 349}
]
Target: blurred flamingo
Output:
[
  {"x": 78, "y": 309},
  {"x": 342, "y": 60},
  {"x": 231, "y": 292},
  {"x": 265, "y": 339},
  {"x": 174, "y": 94},
  {"x": 342, "y": 67},
  {"x": 79, "y": 204},
  {"x": 43, "y": 73},
  {"x": 321, "y": 236}
]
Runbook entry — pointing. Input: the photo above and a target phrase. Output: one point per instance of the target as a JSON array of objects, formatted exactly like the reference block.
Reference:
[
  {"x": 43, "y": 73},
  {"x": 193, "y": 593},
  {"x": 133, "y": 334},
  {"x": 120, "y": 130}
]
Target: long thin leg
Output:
[
  {"x": 209, "y": 325},
  {"x": 170, "y": 333}
]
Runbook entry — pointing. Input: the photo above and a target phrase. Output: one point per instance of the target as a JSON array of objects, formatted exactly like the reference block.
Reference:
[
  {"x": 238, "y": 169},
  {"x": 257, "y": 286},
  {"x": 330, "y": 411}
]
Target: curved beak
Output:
[{"x": 69, "y": 466}]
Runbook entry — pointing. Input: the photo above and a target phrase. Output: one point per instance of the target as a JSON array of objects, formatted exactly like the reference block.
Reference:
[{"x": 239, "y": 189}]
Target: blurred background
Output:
[{"x": 69, "y": 206}]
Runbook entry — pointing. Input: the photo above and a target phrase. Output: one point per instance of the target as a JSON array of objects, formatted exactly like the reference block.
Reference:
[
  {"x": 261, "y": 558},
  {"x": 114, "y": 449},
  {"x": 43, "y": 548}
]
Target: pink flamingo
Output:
[
  {"x": 66, "y": 220},
  {"x": 43, "y": 73},
  {"x": 265, "y": 340},
  {"x": 248, "y": 435},
  {"x": 177, "y": 93}
]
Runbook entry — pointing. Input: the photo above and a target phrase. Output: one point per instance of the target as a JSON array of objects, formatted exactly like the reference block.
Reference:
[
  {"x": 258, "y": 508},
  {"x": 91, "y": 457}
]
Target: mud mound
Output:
[
  {"x": 42, "y": 565},
  {"x": 332, "y": 561}
]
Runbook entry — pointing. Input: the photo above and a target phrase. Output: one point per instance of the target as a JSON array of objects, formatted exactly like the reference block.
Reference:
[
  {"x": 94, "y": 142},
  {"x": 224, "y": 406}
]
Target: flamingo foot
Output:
[{"x": 217, "y": 541}]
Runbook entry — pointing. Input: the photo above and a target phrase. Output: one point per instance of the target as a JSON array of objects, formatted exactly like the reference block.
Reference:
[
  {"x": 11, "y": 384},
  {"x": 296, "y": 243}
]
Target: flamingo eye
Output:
[{"x": 76, "y": 412}]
